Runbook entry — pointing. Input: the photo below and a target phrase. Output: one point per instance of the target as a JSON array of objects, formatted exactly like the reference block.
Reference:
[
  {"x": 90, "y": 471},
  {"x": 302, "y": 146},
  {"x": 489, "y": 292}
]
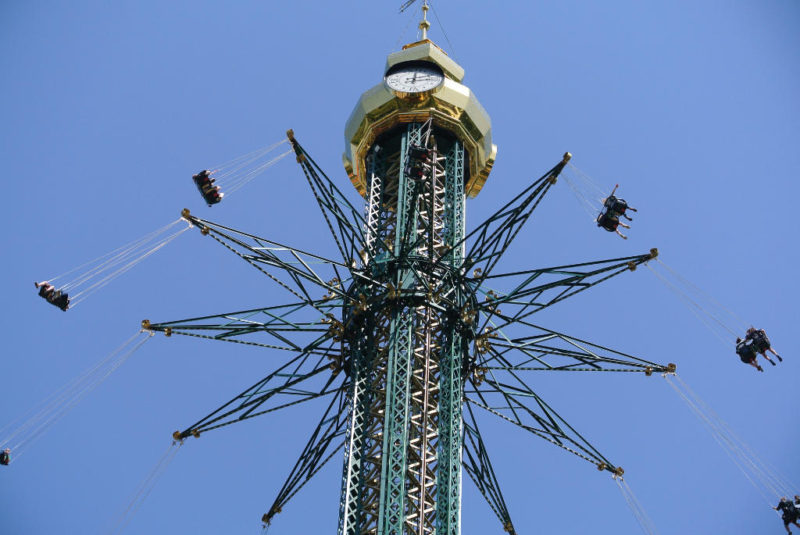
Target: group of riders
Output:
[
  {"x": 790, "y": 511},
  {"x": 53, "y": 296},
  {"x": 755, "y": 343},
  {"x": 613, "y": 209},
  {"x": 755, "y": 340},
  {"x": 205, "y": 184}
]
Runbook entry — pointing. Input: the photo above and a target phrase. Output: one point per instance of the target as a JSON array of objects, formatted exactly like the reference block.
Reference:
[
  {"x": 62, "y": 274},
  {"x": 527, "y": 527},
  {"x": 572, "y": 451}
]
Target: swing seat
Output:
[{"x": 205, "y": 184}]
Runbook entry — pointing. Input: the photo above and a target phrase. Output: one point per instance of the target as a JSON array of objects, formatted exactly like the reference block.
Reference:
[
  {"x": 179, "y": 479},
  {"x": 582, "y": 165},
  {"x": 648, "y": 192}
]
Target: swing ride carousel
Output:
[{"x": 409, "y": 336}]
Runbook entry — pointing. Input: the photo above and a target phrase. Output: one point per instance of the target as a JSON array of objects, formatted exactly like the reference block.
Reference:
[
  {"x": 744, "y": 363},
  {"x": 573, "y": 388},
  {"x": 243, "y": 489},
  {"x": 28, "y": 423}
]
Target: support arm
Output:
[
  {"x": 318, "y": 451},
  {"x": 536, "y": 289},
  {"x": 344, "y": 221},
  {"x": 492, "y": 237},
  {"x": 513, "y": 401},
  {"x": 479, "y": 469},
  {"x": 263, "y": 253},
  {"x": 305, "y": 377},
  {"x": 548, "y": 350}
]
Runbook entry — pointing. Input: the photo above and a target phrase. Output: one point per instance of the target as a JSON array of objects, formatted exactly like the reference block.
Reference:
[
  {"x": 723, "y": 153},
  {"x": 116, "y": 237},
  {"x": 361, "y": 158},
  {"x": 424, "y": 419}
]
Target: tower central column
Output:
[
  {"x": 406, "y": 341},
  {"x": 417, "y": 145}
]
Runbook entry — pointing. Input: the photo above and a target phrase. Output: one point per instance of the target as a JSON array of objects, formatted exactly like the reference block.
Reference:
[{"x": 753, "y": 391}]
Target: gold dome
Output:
[{"x": 452, "y": 105}]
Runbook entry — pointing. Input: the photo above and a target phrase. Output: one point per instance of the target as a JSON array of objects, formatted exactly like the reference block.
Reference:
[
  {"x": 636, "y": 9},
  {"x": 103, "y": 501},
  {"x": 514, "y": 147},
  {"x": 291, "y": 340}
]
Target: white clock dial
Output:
[{"x": 414, "y": 77}]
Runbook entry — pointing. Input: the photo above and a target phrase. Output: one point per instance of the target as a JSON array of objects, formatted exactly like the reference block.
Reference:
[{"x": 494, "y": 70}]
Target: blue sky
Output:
[{"x": 109, "y": 108}]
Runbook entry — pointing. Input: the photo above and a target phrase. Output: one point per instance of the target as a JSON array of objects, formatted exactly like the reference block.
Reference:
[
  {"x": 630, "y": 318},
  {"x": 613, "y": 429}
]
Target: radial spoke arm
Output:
[
  {"x": 305, "y": 377},
  {"x": 344, "y": 221},
  {"x": 306, "y": 271},
  {"x": 479, "y": 469},
  {"x": 492, "y": 237},
  {"x": 516, "y": 403},
  {"x": 536, "y": 289},
  {"x": 548, "y": 350},
  {"x": 294, "y": 327},
  {"x": 325, "y": 441}
]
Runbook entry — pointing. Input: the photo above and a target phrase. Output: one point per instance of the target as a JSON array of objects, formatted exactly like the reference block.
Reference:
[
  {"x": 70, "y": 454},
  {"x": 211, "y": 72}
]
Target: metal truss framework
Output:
[{"x": 405, "y": 340}]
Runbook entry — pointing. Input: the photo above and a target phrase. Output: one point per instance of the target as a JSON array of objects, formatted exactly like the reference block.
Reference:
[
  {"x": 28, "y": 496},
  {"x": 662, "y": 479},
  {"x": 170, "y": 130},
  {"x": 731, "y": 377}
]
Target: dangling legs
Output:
[
  {"x": 755, "y": 365},
  {"x": 774, "y": 353},
  {"x": 764, "y": 354}
]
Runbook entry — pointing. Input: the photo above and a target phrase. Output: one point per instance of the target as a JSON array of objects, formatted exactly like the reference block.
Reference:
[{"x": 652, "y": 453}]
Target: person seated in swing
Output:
[
  {"x": 747, "y": 353},
  {"x": 45, "y": 289},
  {"x": 610, "y": 222},
  {"x": 761, "y": 342},
  {"x": 60, "y": 299},
  {"x": 617, "y": 206},
  {"x": 790, "y": 513},
  {"x": 53, "y": 296},
  {"x": 205, "y": 183},
  {"x": 213, "y": 195},
  {"x": 202, "y": 178},
  {"x": 5, "y": 457}
]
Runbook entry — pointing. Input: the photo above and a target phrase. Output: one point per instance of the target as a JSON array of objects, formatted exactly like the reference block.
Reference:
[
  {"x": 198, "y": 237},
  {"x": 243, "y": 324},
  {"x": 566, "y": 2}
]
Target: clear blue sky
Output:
[{"x": 109, "y": 107}]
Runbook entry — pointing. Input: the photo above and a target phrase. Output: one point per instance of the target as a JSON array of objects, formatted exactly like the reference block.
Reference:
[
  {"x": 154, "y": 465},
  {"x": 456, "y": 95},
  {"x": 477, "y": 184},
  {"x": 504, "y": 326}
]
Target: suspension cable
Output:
[
  {"x": 764, "y": 479},
  {"x": 712, "y": 321},
  {"x": 635, "y": 506},
  {"x": 144, "y": 489},
  {"x": 116, "y": 252},
  {"x": 83, "y": 294},
  {"x": 39, "y": 419}
]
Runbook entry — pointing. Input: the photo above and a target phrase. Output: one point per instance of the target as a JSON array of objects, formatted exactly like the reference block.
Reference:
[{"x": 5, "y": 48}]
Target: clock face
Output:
[{"x": 414, "y": 77}]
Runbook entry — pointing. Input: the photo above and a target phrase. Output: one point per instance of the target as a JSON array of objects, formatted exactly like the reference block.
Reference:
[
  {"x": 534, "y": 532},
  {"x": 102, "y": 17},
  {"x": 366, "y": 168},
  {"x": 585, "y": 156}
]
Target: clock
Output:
[{"x": 414, "y": 77}]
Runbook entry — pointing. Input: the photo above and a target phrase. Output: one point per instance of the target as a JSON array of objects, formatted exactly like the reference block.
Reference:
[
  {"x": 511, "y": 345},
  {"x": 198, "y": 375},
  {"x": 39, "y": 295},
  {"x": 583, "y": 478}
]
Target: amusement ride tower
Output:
[
  {"x": 417, "y": 144},
  {"x": 413, "y": 336}
]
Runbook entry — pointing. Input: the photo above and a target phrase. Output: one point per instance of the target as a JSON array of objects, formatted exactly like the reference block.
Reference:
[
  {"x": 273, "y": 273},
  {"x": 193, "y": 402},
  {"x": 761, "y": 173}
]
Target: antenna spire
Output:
[{"x": 424, "y": 25}]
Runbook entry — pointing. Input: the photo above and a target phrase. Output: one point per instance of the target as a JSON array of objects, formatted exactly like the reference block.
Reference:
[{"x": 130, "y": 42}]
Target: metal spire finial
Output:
[{"x": 424, "y": 25}]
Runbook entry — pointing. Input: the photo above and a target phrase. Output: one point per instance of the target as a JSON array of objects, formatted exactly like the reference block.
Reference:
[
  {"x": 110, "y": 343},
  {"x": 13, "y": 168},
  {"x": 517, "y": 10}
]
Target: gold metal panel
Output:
[{"x": 453, "y": 107}]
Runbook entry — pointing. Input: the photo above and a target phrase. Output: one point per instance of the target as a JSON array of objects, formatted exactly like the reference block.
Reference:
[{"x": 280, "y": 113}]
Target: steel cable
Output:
[{"x": 62, "y": 401}]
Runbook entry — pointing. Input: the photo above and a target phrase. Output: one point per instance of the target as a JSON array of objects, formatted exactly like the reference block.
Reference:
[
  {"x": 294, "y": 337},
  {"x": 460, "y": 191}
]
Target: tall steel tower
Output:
[
  {"x": 414, "y": 334},
  {"x": 417, "y": 143}
]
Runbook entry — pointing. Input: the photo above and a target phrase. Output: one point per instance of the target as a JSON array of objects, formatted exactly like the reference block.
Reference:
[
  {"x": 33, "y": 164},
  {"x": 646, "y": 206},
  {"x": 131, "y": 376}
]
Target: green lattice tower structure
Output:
[
  {"x": 416, "y": 333},
  {"x": 408, "y": 346}
]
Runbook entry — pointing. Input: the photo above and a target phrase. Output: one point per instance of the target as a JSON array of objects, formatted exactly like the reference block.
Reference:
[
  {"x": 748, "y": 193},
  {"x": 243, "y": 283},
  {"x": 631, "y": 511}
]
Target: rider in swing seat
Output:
[
  {"x": 761, "y": 342},
  {"x": 617, "y": 206},
  {"x": 211, "y": 193},
  {"x": 747, "y": 353},
  {"x": 53, "y": 296},
  {"x": 790, "y": 513},
  {"x": 61, "y": 300},
  {"x": 610, "y": 222}
]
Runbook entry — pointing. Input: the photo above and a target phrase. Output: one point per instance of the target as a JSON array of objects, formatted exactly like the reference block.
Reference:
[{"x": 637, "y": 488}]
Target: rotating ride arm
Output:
[
  {"x": 549, "y": 350},
  {"x": 344, "y": 221},
  {"x": 479, "y": 469},
  {"x": 295, "y": 263},
  {"x": 492, "y": 237},
  {"x": 291, "y": 327},
  {"x": 303, "y": 378},
  {"x": 326, "y": 439},
  {"x": 513, "y": 401},
  {"x": 536, "y": 289}
]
